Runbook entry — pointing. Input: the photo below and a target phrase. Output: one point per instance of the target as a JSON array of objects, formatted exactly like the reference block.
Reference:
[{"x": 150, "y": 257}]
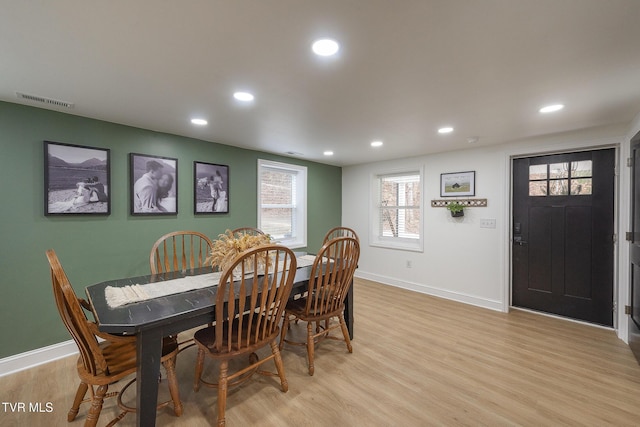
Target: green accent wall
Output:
[{"x": 97, "y": 248}]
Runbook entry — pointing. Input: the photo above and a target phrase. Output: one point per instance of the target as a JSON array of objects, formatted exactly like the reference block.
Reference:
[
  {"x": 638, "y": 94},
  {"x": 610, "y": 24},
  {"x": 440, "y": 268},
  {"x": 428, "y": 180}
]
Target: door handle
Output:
[{"x": 518, "y": 241}]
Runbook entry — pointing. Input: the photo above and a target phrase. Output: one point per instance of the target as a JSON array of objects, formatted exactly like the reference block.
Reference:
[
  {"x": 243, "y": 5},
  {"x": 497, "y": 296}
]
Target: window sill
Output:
[
  {"x": 291, "y": 244},
  {"x": 402, "y": 246}
]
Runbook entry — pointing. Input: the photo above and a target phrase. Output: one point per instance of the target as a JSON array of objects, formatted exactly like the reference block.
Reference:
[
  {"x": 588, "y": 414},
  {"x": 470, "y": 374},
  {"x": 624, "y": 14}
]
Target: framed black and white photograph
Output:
[
  {"x": 458, "y": 184},
  {"x": 76, "y": 180},
  {"x": 154, "y": 185},
  {"x": 211, "y": 188}
]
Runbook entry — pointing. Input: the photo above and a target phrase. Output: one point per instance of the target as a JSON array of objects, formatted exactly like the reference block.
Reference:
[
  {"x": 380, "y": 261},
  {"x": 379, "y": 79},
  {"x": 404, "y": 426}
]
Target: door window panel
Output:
[
  {"x": 559, "y": 187},
  {"x": 582, "y": 168},
  {"x": 581, "y": 180},
  {"x": 538, "y": 180},
  {"x": 559, "y": 170},
  {"x": 561, "y": 179},
  {"x": 537, "y": 188},
  {"x": 537, "y": 172},
  {"x": 581, "y": 187}
]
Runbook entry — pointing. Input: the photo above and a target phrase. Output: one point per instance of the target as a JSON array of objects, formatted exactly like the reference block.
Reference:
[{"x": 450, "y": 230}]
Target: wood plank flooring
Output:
[{"x": 417, "y": 361}]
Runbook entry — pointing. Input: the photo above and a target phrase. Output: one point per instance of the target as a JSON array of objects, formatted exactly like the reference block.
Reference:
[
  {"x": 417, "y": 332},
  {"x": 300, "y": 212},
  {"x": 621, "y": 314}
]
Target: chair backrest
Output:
[
  {"x": 74, "y": 318},
  {"x": 247, "y": 230},
  {"x": 340, "y": 232},
  {"x": 179, "y": 251},
  {"x": 263, "y": 281},
  {"x": 332, "y": 275}
]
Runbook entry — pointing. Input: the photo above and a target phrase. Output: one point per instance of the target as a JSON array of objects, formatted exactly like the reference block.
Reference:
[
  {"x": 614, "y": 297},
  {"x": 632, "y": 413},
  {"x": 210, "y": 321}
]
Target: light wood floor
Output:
[{"x": 417, "y": 361}]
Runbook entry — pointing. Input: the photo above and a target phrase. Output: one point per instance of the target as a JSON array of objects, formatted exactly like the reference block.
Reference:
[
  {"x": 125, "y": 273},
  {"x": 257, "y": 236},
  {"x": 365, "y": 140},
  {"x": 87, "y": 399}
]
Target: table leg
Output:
[
  {"x": 348, "y": 310},
  {"x": 149, "y": 353}
]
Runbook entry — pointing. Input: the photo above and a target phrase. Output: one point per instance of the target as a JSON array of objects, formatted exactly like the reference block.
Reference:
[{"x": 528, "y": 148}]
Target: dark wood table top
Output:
[{"x": 130, "y": 319}]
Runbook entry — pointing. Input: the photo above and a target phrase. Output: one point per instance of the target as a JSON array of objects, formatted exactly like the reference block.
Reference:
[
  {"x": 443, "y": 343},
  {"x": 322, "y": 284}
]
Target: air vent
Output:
[{"x": 43, "y": 100}]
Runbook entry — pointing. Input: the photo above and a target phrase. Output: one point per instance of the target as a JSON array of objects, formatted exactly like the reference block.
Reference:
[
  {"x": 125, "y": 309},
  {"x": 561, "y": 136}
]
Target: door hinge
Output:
[
  {"x": 627, "y": 309},
  {"x": 615, "y": 238},
  {"x": 628, "y": 236},
  {"x": 629, "y": 162}
]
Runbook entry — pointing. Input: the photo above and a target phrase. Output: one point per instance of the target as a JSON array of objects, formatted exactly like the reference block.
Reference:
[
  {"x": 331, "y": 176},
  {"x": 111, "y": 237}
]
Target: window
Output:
[
  {"x": 397, "y": 210},
  {"x": 282, "y": 202},
  {"x": 561, "y": 179}
]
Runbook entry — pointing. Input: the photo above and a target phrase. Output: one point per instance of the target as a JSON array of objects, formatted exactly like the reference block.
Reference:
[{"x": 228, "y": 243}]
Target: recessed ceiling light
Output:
[
  {"x": 376, "y": 144},
  {"x": 325, "y": 47},
  {"x": 446, "y": 129},
  {"x": 243, "y": 96},
  {"x": 328, "y": 153},
  {"x": 199, "y": 122},
  {"x": 551, "y": 108}
]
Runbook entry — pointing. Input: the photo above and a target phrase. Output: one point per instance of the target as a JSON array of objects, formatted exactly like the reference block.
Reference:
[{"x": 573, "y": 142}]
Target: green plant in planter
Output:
[{"x": 456, "y": 209}]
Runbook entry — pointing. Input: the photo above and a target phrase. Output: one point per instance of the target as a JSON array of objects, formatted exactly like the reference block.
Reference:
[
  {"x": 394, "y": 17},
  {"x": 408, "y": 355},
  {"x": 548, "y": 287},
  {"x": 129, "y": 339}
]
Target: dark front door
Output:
[
  {"x": 634, "y": 322},
  {"x": 562, "y": 251}
]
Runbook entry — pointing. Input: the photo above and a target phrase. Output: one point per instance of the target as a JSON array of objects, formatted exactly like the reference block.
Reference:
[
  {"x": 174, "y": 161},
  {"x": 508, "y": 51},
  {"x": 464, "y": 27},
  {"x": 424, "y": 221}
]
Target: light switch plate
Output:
[{"x": 487, "y": 223}]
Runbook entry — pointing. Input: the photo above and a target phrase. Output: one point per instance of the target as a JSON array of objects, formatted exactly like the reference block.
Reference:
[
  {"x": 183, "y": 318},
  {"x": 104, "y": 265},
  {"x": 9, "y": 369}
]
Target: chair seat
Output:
[
  {"x": 207, "y": 338},
  {"x": 121, "y": 359},
  {"x": 298, "y": 308}
]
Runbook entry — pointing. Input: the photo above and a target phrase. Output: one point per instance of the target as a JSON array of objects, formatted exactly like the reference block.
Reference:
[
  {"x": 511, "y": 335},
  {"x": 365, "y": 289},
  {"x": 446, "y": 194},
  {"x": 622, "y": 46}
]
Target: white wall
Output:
[
  {"x": 451, "y": 266},
  {"x": 461, "y": 261}
]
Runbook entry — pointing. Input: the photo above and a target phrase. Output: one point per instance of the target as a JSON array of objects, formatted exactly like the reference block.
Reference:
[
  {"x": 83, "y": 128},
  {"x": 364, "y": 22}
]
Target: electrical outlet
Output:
[
  {"x": 409, "y": 263},
  {"x": 487, "y": 223}
]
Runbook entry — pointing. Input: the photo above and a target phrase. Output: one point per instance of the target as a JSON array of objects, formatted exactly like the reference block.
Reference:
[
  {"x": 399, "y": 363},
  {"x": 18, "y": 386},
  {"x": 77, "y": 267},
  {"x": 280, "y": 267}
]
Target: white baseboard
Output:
[
  {"x": 429, "y": 290},
  {"x": 39, "y": 356}
]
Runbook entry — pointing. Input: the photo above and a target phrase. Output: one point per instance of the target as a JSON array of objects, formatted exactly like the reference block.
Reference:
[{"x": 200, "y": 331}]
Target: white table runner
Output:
[{"x": 119, "y": 296}]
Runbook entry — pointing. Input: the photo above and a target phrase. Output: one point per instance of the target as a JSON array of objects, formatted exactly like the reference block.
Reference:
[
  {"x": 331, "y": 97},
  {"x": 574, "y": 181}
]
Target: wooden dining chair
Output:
[
  {"x": 340, "y": 232},
  {"x": 179, "y": 251},
  {"x": 331, "y": 277},
  {"x": 247, "y": 230},
  {"x": 247, "y": 317},
  {"x": 102, "y": 363}
]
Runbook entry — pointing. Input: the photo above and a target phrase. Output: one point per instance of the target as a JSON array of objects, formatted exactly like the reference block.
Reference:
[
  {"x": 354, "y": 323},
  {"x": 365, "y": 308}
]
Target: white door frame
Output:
[{"x": 621, "y": 214}]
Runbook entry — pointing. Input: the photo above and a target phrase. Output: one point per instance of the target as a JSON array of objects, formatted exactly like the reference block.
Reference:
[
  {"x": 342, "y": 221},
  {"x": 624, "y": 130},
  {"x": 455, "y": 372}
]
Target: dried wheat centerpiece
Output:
[{"x": 230, "y": 245}]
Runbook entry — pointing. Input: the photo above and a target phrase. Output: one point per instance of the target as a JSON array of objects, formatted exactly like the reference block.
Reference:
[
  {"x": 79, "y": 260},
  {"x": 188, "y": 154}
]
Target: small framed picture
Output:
[
  {"x": 76, "y": 180},
  {"x": 211, "y": 188},
  {"x": 153, "y": 185},
  {"x": 458, "y": 184}
]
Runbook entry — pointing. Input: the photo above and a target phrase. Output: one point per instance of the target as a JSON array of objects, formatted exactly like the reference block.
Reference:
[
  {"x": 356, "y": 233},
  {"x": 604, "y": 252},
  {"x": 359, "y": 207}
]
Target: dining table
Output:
[{"x": 153, "y": 319}]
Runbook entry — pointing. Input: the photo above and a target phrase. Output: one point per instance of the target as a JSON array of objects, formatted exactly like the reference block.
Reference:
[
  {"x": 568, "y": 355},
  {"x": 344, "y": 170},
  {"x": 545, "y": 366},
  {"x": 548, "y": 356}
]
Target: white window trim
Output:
[
  {"x": 415, "y": 245},
  {"x": 300, "y": 240}
]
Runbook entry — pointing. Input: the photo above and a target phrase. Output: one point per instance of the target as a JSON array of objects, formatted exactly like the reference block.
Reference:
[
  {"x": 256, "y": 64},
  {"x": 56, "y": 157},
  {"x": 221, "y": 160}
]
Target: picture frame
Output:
[
  {"x": 210, "y": 188},
  {"x": 153, "y": 185},
  {"x": 77, "y": 179},
  {"x": 457, "y": 184}
]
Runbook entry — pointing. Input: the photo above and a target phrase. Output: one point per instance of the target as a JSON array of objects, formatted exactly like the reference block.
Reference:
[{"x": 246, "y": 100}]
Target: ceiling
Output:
[{"x": 405, "y": 68}]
